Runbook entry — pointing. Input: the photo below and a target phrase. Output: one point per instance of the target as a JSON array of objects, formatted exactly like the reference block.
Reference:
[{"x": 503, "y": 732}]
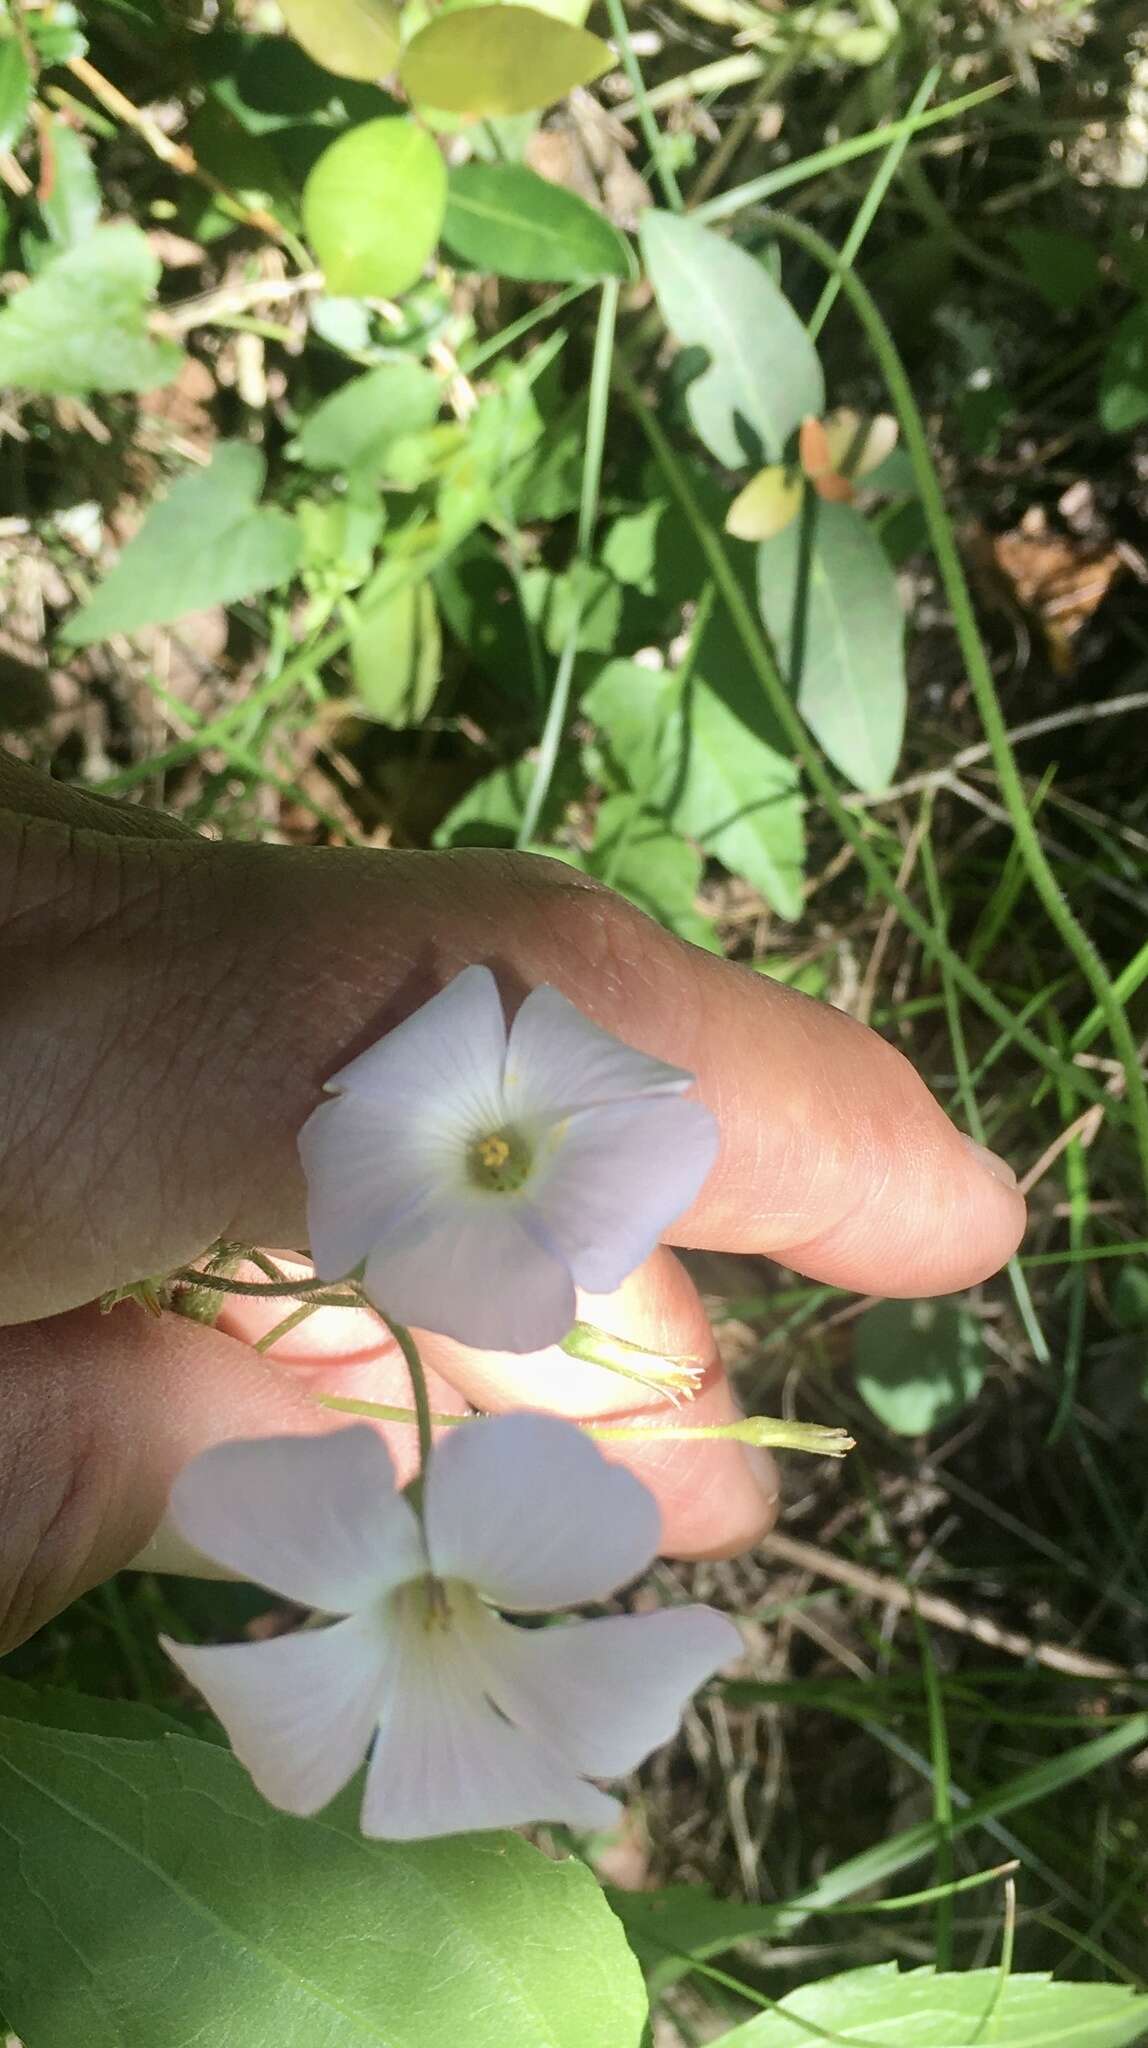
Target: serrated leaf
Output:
[
  {"x": 373, "y": 207},
  {"x": 488, "y": 61},
  {"x": 353, "y": 38},
  {"x": 764, "y": 376},
  {"x": 151, "y": 1896},
  {"x": 506, "y": 220},
  {"x": 15, "y": 90},
  {"x": 358, "y": 423},
  {"x": 923, "y": 2009},
  {"x": 208, "y": 542},
  {"x": 396, "y": 655},
  {"x": 81, "y": 325},
  {"x": 918, "y": 1363},
  {"x": 851, "y": 690},
  {"x": 693, "y": 760}
]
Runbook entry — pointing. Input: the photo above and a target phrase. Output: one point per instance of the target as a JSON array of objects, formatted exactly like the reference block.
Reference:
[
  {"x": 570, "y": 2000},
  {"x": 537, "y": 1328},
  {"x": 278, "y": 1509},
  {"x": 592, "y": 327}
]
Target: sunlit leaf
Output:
[
  {"x": 504, "y": 219},
  {"x": 767, "y": 504},
  {"x": 208, "y": 542},
  {"x": 15, "y": 90},
  {"x": 358, "y": 423},
  {"x": 851, "y": 689},
  {"x": 918, "y": 1363},
  {"x": 764, "y": 376},
  {"x": 922, "y": 2009},
  {"x": 396, "y": 655},
  {"x": 373, "y": 207},
  {"x": 354, "y": 38},
  {"x": 81, "y": 325},
  {"x": 150, "y": 1896},
  {"x": 499, "y": 60},
  {"x": 71, "y": 205}
]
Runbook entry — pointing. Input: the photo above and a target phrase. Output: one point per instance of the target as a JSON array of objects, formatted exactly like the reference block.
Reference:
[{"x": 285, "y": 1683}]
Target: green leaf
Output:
[
  {"x": 694, "y": 761},
  {"x": 1130, "y": 1298},
  {"x": 353, "y": 429},
  {"x": 353, "y": 38},
  {"x": 71, "y": 209},
  {"x": 499, "y": 60},
  {"x": 208, "y": 542},
  {"x": 504, "y": 219},
  {"x": 918, "y": 1363},
  {"x": 52, "y": 1706},
  {"x": 764, "y": 376},
  {"x": 667, "y": 1927},
  {"x": 373, "y": 206},
  {"x": 150, "y": 1896},
  {"x": 1124, "y": 374},
  {"x": 396, "y": 655},
  {"x": 491, "y": 811},
  {"x": 1064, "y": 269},
  {"x": 920, "y": 2009},
  {"x": 851, "y": 691},
  {"x": 82, "y": 324},
  {"x": 15, "y": 90},
  {"x": 637, "y": 853}
]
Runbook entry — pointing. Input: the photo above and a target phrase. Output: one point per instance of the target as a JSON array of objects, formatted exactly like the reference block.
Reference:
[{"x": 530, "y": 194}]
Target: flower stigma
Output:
[{"x": 500, "y": 1162}]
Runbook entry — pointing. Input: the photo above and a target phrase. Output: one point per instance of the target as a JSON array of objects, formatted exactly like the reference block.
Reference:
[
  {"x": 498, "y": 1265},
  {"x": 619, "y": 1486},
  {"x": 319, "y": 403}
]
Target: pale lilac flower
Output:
[
  {"x": 471, "y": 1721},
  {"x": 482, "y": 1173}
]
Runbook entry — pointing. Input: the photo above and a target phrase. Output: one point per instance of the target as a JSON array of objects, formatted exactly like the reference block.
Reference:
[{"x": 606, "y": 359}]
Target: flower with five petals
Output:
[
  {"x": 482, "y": 1173},
  {"x": 471, "y": 1721}
]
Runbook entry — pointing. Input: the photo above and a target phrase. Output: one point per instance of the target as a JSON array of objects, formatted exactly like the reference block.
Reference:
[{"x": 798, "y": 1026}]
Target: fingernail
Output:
[
  {"x": 999, "y": 1168},
  {"x": 763, "y": 1470}
]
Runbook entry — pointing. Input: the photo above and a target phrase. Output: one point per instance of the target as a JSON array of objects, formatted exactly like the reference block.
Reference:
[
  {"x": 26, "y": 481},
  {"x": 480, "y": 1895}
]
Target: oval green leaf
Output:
[
  {"x": 506, "y": 220},
  {"x": 764, "y": 375},
  {"x": 353, "y": 38},
  {"x": 918, "y": 1363},
  {"x": 500, "y": 60},
  {"x": 15, "y": 90},
  {"x": 396, "y": 655},
  {"x": 851, "y": 686},
  {"x": 373, "y": 206}
]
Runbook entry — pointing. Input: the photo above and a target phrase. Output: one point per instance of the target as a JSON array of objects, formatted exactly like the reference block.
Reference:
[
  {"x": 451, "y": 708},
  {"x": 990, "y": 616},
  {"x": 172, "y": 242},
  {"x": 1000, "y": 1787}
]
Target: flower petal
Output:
[
  {"x": 469, "y": 1268},
  {"x": 315, "y": 1518},
  {"x": 558, "y": 1062},
  {"x": 617, "y": 1178},
  {"x": 446, "y": 1762},
  {"x": 300, "y": 1710},
  {"x": 454, "y": 1045},
  {"x": 604, "y": 1693},
  {"x": 528, "y": 1510}
]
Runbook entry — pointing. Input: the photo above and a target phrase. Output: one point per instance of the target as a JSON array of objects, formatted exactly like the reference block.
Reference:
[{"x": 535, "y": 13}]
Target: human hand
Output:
[{"x": 169, "y": 1010}]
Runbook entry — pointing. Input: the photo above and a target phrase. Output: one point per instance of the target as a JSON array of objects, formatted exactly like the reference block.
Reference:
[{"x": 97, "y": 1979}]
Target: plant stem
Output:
[
  {"x": 655, "y": 141},
  {"x": 418, "y": 1378}
]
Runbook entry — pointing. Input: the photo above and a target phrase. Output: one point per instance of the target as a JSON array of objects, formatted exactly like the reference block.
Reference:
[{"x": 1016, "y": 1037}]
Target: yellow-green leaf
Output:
[
  {"x": 396, "y": 655},
  {"x": 770, "y": 500},
  {"x": 499, "y": 60},
  {"x": 353, "y": 38},
  {"x": 373, "y": 207}
]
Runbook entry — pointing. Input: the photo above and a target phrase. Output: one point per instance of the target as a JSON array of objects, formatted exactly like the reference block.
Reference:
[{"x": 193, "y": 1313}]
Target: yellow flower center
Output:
[{"x": 499, "y": 1162}]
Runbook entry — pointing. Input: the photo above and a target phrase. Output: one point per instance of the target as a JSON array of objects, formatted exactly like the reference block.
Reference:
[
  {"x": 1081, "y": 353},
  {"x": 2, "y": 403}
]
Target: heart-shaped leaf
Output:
[
  {"x": 764, "y": 375},
  {"x": 208, "y": 542},
  {"x": 373, "y": 206},
  {"x": 81, "y": 325},
  {"x": 487, "y": 61},
  {"x": 851, "y": 683},
  {"x": 504, "y": 219},
  {"x": 353, "y": 38}
]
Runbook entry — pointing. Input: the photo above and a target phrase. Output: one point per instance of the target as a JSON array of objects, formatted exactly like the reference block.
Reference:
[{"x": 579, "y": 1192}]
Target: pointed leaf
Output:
[
  {"x": 150, "y": 1896},
  {"x": 764, "y": 375},
  {"x": 924, "y": 2009},
  {"x": 208, "y": 542},
  {"x": 81, "y": 325},
  {"x": 373, "y": 207},
  {"x": 15, "y": 90},
  {"x": 499, "y": 60},
  {"x": 851, "y": 690},
  {"x": 504, "y": 219},
  {"x": 355, "y": 426},
  {"x": 353, "y": 38}
]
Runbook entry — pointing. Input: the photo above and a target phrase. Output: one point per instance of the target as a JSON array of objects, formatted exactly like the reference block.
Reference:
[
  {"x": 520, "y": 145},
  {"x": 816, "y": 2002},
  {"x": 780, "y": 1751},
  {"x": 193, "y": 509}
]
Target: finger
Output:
[
  {"x": 715, "y": 1498},
  {"x": 184, "y": 1004},
  {"x": 100, "y": 1414}
]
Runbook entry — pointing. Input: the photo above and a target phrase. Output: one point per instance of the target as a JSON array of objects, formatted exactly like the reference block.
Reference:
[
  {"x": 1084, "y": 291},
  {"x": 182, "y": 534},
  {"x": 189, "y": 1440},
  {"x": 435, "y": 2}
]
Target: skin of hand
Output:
[{"x": 169, "y": 1010}]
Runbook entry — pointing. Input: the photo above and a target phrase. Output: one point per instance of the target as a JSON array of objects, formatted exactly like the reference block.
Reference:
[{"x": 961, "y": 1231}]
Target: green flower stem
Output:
[
  {"x": 763, "y": 1431},
  {"x": 655, "y": 143},
  {"x": 423, "y": 1416},
  {"x": 764, "y": 663},
  {"x": 318, "y": 1292},
  {"x": 1044, "y": 882},
  {"x": 290, "y": 1322}
]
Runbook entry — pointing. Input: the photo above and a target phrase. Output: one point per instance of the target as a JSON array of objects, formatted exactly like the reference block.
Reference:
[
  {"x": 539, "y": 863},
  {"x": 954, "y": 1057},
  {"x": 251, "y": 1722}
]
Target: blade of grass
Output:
[
  {"x": 655, "y": 140},
  {"x": 870, "y": 205}
]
